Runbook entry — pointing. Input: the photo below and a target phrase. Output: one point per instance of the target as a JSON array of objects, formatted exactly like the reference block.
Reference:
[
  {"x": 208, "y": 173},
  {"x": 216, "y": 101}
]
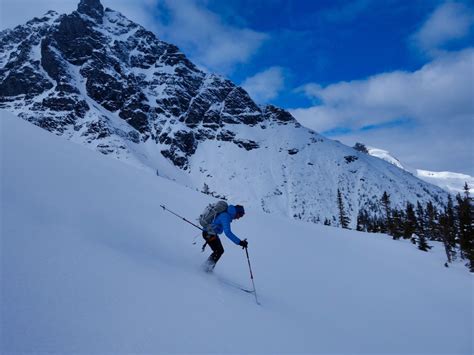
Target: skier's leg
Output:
[{"x": 217, "y": 250}]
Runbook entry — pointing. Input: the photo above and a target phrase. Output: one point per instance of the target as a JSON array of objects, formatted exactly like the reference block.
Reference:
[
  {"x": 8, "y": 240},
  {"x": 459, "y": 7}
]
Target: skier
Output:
[{"x": 221, "y": 223}]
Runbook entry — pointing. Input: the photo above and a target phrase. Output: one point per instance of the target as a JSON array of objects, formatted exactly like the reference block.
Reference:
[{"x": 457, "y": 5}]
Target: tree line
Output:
[{"x": 453, "y": 225}]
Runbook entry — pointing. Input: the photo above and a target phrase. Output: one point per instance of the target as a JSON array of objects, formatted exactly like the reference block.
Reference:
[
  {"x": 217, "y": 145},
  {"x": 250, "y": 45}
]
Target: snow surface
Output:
[
  {"x": 452, "y": 182},
  {"x": 385, "y": 155},
  {"x": 449, "y": 181},
  {"x": 302, "y": 185},
  {"x": 92, "y": 264}
]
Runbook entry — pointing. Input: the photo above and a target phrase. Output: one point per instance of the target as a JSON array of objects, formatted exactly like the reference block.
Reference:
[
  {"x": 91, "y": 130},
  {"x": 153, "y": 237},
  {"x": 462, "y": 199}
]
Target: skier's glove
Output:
[{"x": 243, "y": 243}]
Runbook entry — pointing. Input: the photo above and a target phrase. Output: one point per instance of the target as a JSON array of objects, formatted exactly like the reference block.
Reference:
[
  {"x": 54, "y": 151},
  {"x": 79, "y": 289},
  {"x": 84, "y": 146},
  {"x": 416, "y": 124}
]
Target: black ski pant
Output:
[{"x": 217, "y": 249}]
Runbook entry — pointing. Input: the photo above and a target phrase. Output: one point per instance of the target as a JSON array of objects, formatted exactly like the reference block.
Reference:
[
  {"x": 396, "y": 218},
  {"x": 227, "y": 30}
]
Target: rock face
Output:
[
  {"x": 75, "y": 71},
  {"x": 91, "y": 8},
  {"x": 99, "y": 79}
]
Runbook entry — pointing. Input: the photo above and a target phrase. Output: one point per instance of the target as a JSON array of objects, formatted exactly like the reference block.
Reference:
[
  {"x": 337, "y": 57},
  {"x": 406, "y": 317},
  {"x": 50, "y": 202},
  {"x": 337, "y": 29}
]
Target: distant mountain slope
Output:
[
  {"x": 92, "y": 264},
  {"x": 449, "y": 181},
  {"x": 101, "y": 80}
]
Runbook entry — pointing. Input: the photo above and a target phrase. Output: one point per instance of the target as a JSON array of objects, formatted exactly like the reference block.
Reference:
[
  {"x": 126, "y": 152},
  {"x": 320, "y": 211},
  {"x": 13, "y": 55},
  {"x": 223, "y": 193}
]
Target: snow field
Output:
[{"x": 92, "y": 264}]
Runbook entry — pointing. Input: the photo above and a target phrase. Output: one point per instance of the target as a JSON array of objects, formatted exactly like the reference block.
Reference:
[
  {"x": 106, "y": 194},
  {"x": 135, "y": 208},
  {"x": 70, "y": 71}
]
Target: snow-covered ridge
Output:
[
  {"x": 449, "y": 181},
  {"x": 91, "y": 264},
  {"x": 385, "y": 155},
  {"x": 103, "y": 81}
]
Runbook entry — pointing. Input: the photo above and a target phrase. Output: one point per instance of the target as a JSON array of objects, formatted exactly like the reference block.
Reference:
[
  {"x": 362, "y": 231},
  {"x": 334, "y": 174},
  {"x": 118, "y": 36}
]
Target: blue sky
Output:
[
  {"x": 393, "y": 74},
  {"x": 328, "y": 41},
  {"x": 323, "y": 41}
]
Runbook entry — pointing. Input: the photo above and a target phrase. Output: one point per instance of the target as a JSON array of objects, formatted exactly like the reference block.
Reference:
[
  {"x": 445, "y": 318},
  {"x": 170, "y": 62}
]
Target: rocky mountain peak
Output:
[
  {"x": 91, "y": 8},
  {"x": 99, "y": 79}
]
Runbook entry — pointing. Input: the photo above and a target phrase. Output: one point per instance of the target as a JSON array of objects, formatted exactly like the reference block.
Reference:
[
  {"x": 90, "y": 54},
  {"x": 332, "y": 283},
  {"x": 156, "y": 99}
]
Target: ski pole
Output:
[
  {"x": 251, "y": 276},
  {"x": 184, "y": 219}
]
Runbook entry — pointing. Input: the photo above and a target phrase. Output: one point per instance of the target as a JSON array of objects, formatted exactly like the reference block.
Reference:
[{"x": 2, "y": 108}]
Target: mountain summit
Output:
[
  {"x": 99, "y": 79},
  {"x": 92, "y": 8}
]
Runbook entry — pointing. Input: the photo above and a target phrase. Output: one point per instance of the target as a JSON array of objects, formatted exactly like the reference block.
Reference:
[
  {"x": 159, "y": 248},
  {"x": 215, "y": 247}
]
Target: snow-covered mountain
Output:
[
  {"x": 98, "y": 79},
  {"x": 449, "y": 181},
  {"x": 91, "y": 264}
]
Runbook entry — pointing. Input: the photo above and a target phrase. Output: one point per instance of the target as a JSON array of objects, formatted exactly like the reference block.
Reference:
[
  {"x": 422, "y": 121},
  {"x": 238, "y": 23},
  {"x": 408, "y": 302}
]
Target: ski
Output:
[
  {"x": 237, "y": 286},
  {"x": 245, "y": 290}
]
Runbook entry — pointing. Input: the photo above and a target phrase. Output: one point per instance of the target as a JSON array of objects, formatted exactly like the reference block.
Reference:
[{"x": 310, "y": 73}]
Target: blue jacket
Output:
[{"x": 222, "y": 224}]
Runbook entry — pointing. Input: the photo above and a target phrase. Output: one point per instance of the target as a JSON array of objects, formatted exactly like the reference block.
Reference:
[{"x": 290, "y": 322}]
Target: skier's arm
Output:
[{"x": 227, "y": 231}]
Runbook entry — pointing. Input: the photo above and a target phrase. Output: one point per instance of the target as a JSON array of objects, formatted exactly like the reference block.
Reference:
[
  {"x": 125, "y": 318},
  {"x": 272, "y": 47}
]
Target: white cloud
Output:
[
  {"x": 438, "y": 98},
  {"x": 450, "y": 21},
  {"x": 265, "y": 85},
  {"x": 441, "y": 88},
  {"x": 210, "y": 42}
]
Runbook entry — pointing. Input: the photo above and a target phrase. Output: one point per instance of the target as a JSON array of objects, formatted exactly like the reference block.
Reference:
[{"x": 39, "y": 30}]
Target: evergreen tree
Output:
[
  {"x": 422, "y": 244},
  {"x": 448, "y": 230},
  {"x": 362, "y": 221},
  {"x": 343, "y": 218},
  {"x": 431, "y": 222},
  {"x": 451, "y": 224},
  {"x": 361, "y": 148},
  {"x": 420, "y": 231},
  {"x": 377, "y": 225},
  {"x": 466, "y": 228},
  {"x": 409, "y": 226},
  {"x": 420, "y": 221},
  {"x": 372, "y": 226},
  {"x": 387, "y": 226},
  {"x": 397, "y": 224}
]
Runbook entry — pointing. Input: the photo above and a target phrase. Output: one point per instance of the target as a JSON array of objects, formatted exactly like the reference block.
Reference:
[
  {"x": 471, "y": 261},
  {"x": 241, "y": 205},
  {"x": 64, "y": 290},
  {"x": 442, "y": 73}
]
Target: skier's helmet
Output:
[{"x": 239, "y": 211}]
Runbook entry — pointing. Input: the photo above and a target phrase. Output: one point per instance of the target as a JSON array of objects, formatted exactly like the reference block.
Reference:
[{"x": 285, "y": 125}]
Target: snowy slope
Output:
[
  {"x": 91, "y": 264},
  {"x": 452, "y": 182},
  {"x": 297, "y": 173},
  {"x": 449, "y": 181}
]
